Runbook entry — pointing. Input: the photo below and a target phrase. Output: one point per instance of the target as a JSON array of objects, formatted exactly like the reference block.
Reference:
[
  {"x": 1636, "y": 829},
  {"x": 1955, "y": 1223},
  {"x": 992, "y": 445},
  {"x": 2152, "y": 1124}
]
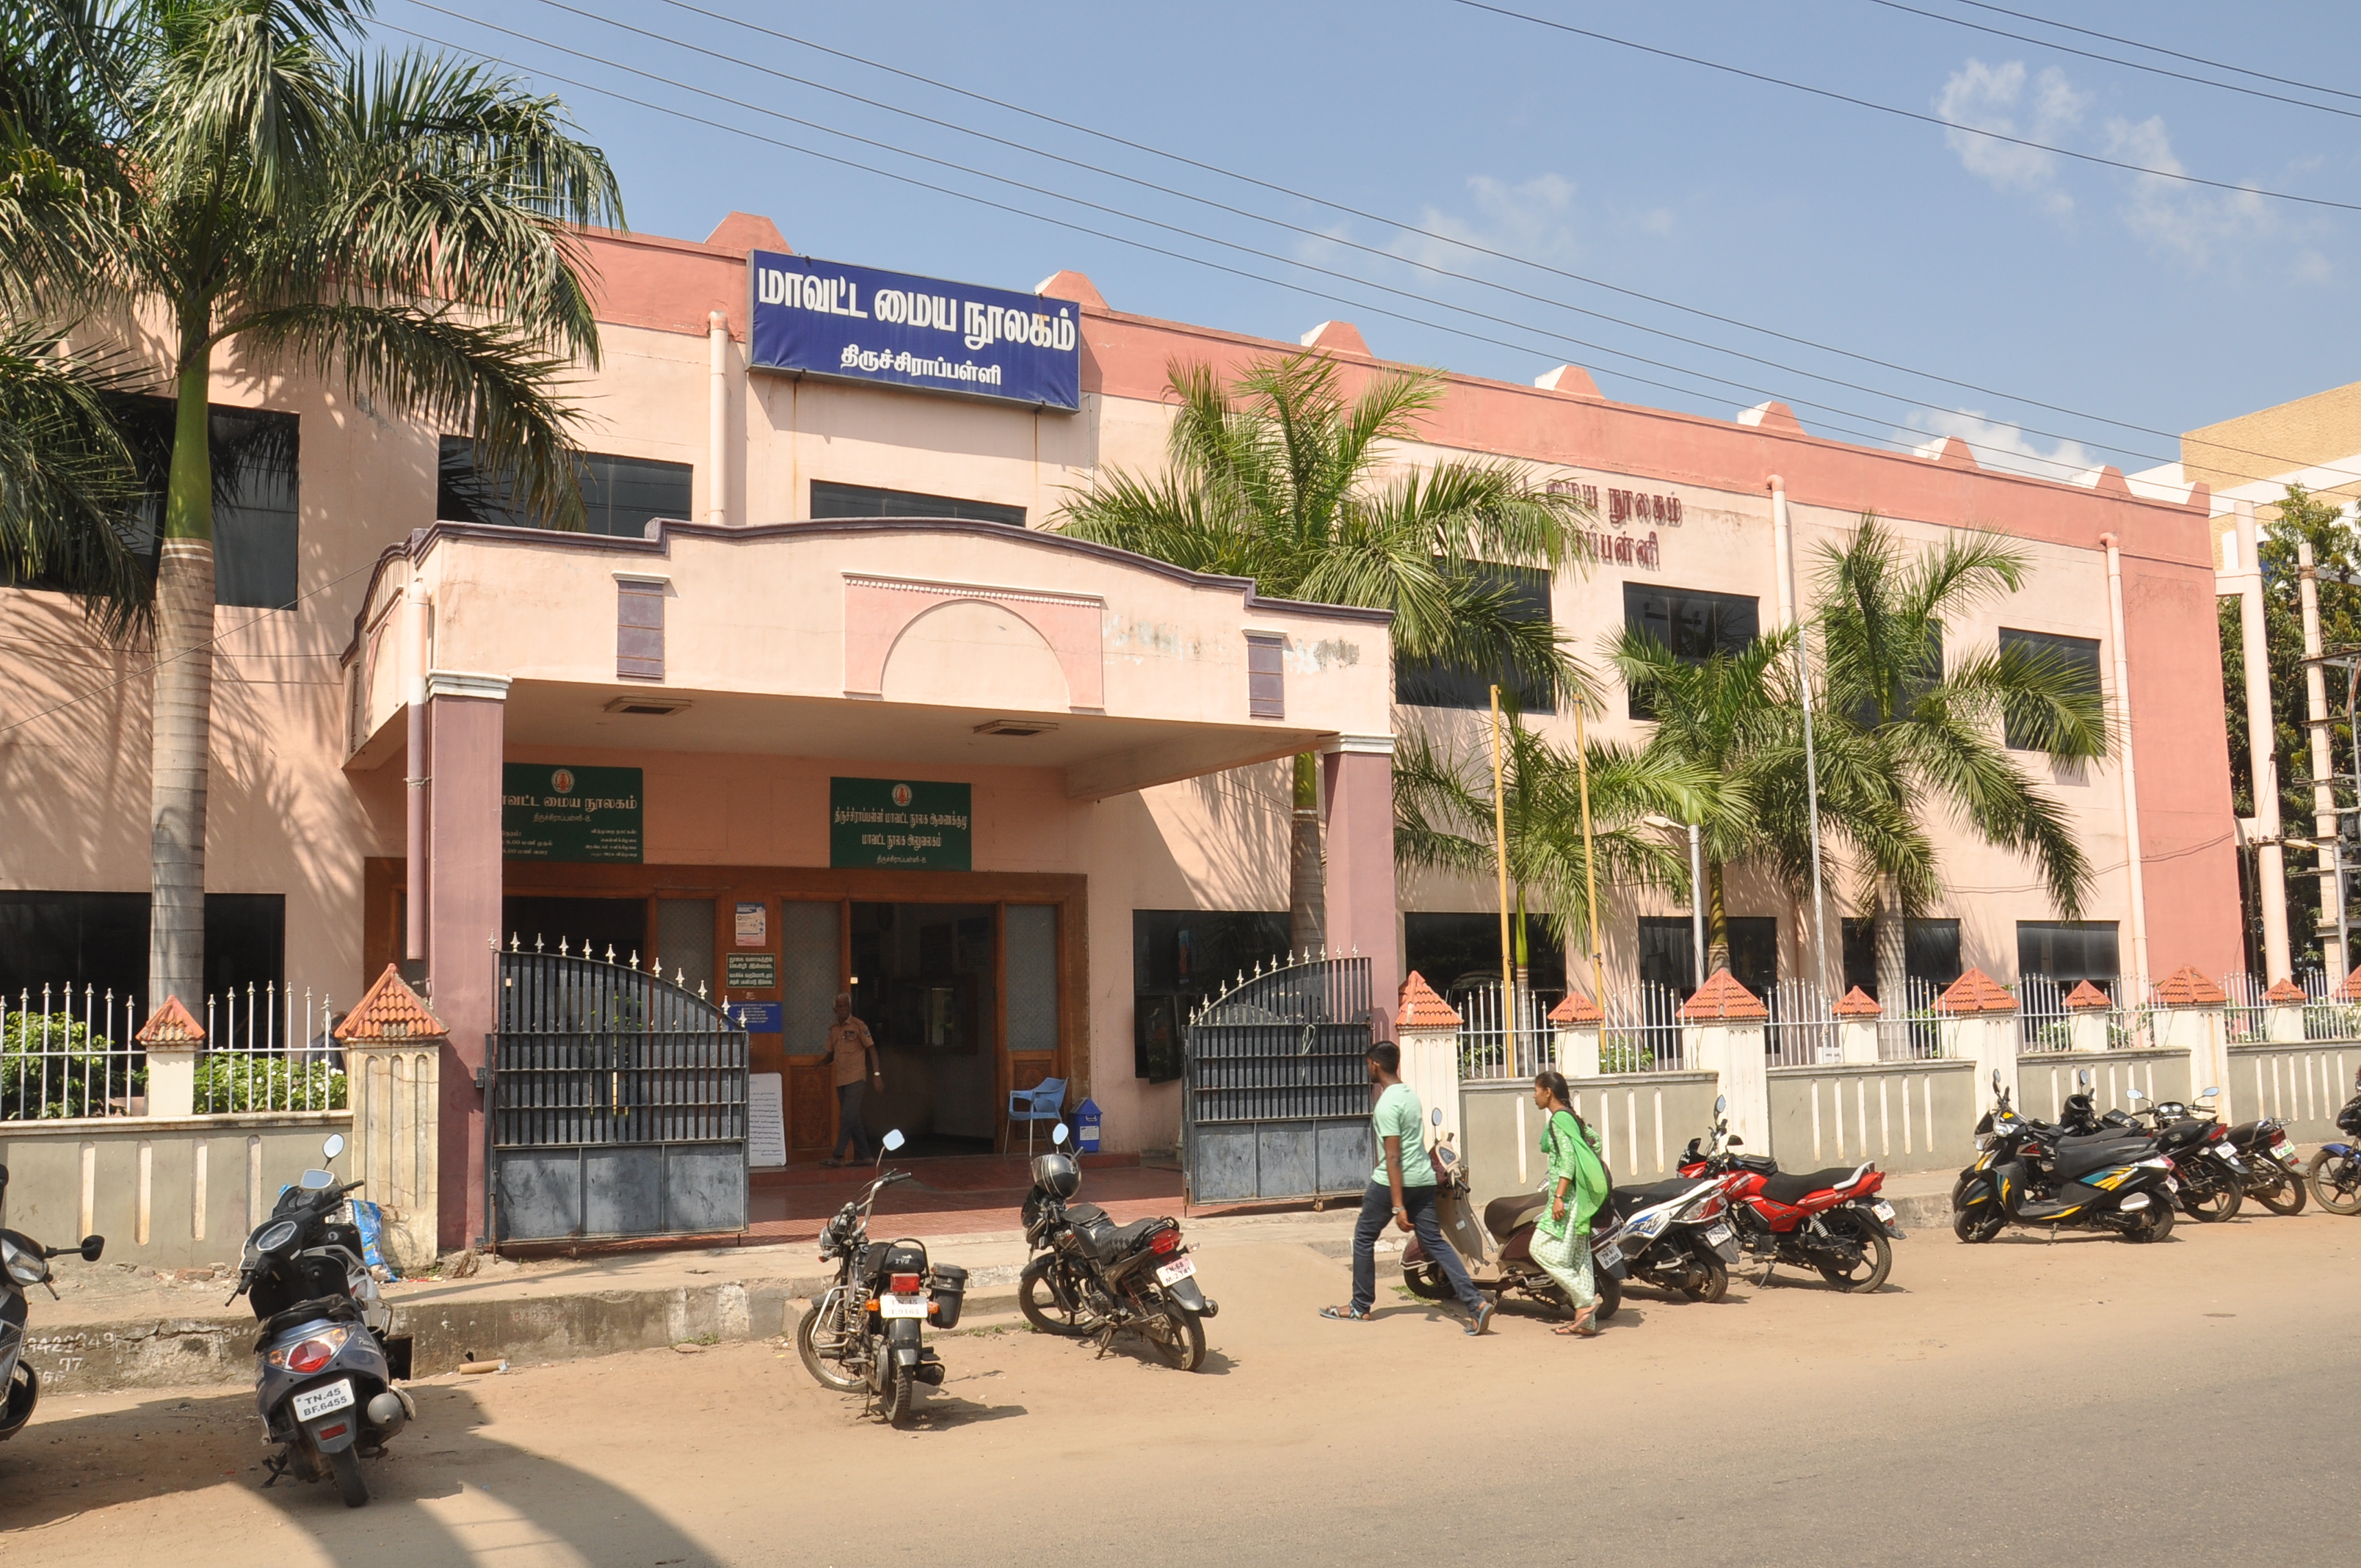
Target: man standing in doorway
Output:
[
  {"x": 855, "y": 1057},
  {"x": 1402, "y": 1186}
]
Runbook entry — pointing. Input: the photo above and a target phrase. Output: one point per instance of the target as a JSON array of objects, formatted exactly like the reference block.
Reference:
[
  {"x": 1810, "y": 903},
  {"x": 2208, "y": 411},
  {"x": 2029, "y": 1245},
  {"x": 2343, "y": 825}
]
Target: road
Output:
[{"x": 2021, "y": 1403}]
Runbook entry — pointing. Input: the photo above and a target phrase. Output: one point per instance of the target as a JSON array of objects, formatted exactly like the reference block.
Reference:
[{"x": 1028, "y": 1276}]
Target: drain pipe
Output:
[
  {"x": 717, "y": 483},
  {"x": 414, "y": 656},
  {"x": 2130, "y": 778}
]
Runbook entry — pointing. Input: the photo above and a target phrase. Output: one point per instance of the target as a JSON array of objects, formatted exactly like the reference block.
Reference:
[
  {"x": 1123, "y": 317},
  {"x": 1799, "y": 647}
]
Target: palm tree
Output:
[
  {"x": 1280, "y": 479},
  {"x": 402, "y": 226},
  {"x": 1923, "y": 727}
]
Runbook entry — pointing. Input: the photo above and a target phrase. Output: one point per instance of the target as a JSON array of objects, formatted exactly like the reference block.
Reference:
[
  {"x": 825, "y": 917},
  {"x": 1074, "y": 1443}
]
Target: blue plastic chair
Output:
[{"x": 1044, "y": 1103}]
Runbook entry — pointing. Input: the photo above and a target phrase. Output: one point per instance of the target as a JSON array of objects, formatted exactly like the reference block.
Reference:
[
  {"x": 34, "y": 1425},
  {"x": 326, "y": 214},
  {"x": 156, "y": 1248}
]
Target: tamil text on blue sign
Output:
[{"x": 823, "y": 318}]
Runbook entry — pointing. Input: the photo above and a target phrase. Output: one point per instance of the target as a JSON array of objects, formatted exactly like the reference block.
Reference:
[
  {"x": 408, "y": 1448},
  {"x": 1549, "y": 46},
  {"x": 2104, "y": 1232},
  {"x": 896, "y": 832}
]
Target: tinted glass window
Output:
[
  {"x": 2069, "y": 950},
  {"x": 1930, "y": 952},
  {"x": 100, "y": 940},
  {"x": 1178, "y": 957},
  {"x": 620, "y": 496},
  {"x": 1450, "y": 683},
  {"x": 1448, "y": 948},
  {"x": 2078, "y": 654},
  {"x": 1668, "y": 952},
  {"x": 828, "y": 500},
  {"x": 1694, "y": 625}
]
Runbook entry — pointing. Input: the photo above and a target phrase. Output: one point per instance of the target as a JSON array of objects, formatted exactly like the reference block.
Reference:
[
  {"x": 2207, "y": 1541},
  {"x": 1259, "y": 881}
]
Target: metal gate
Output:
[
  {"x": 617, "y": 1105},
  {"x": 1278, "y": 1102}
]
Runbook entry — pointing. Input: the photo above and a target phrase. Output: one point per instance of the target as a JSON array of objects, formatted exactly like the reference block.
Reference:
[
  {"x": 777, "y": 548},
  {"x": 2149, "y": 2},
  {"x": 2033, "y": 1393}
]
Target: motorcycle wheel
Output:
[
  {"x": 1182, "y": 1339},
  {"x": 346, "y": 1463},
  {"x": 1972, "y": 1230},
  {"x": 2158, "y": 1225},
  {"x": 831, "y": 1371},
  {"x": 1877, "y": 1260},
  {"x": 2219, "y": 1202},
  {"x": 1425, "y": 1281},
  {"x": 2335, "y": 1181},
  {"x": 1039, "y": 1305},
  {"x": 899, "y": 1391},
  {"x": 2285, "y": 1193},
  {"x": 1610, "y": 1294},
  {"x": 1717, "y": 1280}
]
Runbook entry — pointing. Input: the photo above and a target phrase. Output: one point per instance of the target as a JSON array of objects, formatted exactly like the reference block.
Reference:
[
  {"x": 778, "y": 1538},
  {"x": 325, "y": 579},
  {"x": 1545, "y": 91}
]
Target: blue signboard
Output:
[
  {"x": 823, "y": 318},
  {"x": 758, "y": 1017}
]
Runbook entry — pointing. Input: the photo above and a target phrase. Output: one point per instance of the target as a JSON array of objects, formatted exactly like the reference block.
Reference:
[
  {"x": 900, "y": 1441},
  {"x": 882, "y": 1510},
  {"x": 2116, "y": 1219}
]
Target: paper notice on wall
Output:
[
  {"x": 753, "y": 925},
  {"x": 766, "y": 1121}
]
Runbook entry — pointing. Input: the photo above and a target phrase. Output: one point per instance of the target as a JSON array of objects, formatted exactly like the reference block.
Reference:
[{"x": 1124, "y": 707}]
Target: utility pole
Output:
[{"x": 2316, "y": 721}]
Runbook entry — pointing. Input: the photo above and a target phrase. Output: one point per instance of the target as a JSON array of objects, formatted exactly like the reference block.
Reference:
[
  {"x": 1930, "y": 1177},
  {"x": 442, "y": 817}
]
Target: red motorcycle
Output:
[{"x": 1831, "y": 1222}]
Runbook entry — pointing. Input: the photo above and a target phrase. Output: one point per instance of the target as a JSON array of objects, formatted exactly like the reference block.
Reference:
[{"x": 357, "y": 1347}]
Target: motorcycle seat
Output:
[
  {"x": 1505, "y": 1216},
  {"x": 2245, "y": 1133},
  {"x": 2080, "y": 1158},
  {"x": 1628, "y": 1200},
  {"x": 1795, "y": 1189},
  {"x": 1108, "y": 1241}
]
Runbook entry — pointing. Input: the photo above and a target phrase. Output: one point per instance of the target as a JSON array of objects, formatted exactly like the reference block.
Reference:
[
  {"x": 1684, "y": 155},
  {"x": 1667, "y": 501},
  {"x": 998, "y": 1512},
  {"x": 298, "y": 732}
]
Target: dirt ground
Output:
[{"x": 2013, "y": 1402}]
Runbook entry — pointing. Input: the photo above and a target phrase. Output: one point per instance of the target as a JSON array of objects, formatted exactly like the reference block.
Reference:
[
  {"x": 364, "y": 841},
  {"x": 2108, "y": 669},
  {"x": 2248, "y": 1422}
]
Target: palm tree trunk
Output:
[
  {"x": 1307, "y": 894},
  {"x": 1717, "y": 924},
  {"x": 1893, "y": 950},
  {"x": 181, "y": 725}
]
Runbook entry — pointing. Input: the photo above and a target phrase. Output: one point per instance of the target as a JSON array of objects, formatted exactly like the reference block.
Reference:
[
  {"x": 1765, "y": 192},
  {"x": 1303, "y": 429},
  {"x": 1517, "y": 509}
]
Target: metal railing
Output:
[
  {"x": 2046, "y": 1024},
  {"x": 1913, "y": 1031},
  {"x": 1640, "y": 1031},
  {"x": 69, "y": 1051},
  {"x": 267, "y": 1049},
  {"x": 1803, "y": 1027},
  {"x": 1486, "y": 1051}
]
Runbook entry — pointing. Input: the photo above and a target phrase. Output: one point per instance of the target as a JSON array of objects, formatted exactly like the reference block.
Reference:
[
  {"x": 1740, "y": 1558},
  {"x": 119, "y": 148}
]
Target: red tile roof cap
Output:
[
  {"x": 2086, "y": 997},
  {"x": 2348, "y": 989},
  {"x": 1858, "y": 1003},
  {"x": 391, "y": 1011},
  {"x": 1422, "y": 1009},
  {"x": 171, "y": 1026},
  {"x": 1575, "y": 1009},
  {"x": 2285, "y": 994},
  {"x": 1975, "y": 991},
  {"x": 1722, "y": 1000},
  {"x": 2188, "y": 987}
]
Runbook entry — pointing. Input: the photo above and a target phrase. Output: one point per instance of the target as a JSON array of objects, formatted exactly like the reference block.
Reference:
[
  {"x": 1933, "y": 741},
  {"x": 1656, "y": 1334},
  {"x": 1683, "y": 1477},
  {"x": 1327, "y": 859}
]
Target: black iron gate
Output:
[
  {"x": 617, "y": 1105},
  {"x": 1278, "y": 1102}
]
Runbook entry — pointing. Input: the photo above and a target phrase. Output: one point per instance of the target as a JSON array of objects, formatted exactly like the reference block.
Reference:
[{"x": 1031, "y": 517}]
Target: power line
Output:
[
  {"x": 2159, "y": 49},
  {"x": 1831, "y": 93},
  {"x": 2117, "y": 60}
]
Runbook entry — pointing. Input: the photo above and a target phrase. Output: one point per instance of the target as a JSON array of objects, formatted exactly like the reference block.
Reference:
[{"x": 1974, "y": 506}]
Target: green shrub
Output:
[
  {"x": 62, "y": 1070},
  {"x": 232, "y": 1080}
]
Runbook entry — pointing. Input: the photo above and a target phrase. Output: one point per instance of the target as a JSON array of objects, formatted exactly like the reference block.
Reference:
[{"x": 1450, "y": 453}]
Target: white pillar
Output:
[
  {"x": 2244, "y": 573},
  {"x": 1723, "y": 1025},
  {"x": 1984, "y": 1019},
  {"x": 2324, "y": 794},
  {"x": 716, "y": 483},
  {"x": 2130, "y": 778},
  {"x": 2283, "y": 1021},
  {"x": 2192, "y": 1020},
  {"x": 1576, "y": 1020},
  {"x": 1857, "y": 1017},
  {"x": 172, "y": 1039},
  {"x": 1428, "y": 1032},
  {"x": 2089, "y": 1011}
]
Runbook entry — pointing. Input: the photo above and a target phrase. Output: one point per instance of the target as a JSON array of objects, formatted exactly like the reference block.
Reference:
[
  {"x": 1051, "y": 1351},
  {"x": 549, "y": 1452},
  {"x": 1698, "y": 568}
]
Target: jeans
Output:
[
  {"x": 1376, "y": 1213},
  {"x": 851, "y": 1133}
]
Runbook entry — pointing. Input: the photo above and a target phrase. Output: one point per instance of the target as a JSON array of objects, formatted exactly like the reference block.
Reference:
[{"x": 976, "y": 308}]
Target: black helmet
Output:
[{"x": 1056, "y": 1173}]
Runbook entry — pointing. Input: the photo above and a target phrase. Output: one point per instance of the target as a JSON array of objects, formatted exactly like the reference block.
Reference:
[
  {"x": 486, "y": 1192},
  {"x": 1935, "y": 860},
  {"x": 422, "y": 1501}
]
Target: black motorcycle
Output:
[
  {"x": 2100, "y": 1183},
  {"x": 2212, "y": 1174},
  {"x": 2274, "y": 1173},
  {"x": 2335, "y": 1172},
  {"x": 1093, "y": 1279},
  {"x": 866, "y": 1333},
  {"x": 24, "y": 1263},
  {"x": 327, "y": 1362}
]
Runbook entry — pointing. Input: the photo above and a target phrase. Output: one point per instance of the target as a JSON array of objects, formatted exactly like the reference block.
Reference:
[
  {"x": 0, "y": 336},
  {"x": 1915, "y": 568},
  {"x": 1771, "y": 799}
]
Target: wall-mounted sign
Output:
[
  {"x": 751, "y": 971},
  {"x": 757, "y": 1017},
  {"x": 753, "y": 925},
  {"x": 569, "y": 814},
  {"x": 823, "y": 318},
  {"x": 1624, "y": 549},
  {"x": 901, "y": 823},
  {"x": 766, "y": 1120}
]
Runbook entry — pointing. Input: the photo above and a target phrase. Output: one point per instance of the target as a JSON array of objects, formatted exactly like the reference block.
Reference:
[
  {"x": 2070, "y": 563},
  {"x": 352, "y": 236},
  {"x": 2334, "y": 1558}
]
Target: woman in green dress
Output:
[{"x": 1577, "y": 1187}]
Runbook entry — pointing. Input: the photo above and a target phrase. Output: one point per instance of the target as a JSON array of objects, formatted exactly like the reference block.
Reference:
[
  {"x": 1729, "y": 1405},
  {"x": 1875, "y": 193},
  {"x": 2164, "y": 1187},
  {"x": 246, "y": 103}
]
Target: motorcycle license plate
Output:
[
  {"x": 892, "y": 1306},
  {"x": 1717, "y": 1235},
  {"x": 313, "y": 1403},
  {"x": 2170, "y": 1185},
  {"x": 2284, "y": 1150},
  {"x": 1885, "y": 1211},
  {"x": 1177, "y": 1271},
  {"x": 1607, "y": 1256}
]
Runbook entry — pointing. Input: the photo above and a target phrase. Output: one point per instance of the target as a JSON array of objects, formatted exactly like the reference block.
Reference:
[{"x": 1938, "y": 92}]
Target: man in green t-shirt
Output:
[{"x": 1402, "y": 1188}]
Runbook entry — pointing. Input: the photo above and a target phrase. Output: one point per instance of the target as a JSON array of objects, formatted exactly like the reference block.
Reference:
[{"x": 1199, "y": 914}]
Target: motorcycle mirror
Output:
[
  {"x": 92, "y": 1246},
  {"x": 1435, "y": 1115},
  {"x": 1057, "y": 1136},
  {"x": 895, "y": 1140},
  {"x": 1995, "y": 1080},
  {"x": 1720, "y": 1103},
  {"x": 1737, "y": 1143},
  {"x": 2210, "y": 1093},
  {"x": 2083, "y": 1078},
  {"x": 2135, "y": 1094},
  {"x": 333, "y": 1147},
  {"x": 316, "y": 1181}
]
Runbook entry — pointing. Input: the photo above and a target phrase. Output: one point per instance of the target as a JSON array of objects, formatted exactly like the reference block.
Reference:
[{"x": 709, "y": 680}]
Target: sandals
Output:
[
  {"x": 1346, "y": 1314},
  {"x": 1584, "y": 1326}
]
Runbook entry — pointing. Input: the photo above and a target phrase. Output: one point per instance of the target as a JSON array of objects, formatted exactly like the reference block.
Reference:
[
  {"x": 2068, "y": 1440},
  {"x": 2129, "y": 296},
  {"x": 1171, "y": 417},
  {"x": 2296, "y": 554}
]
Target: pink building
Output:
[{"x": 820, "y": 705}]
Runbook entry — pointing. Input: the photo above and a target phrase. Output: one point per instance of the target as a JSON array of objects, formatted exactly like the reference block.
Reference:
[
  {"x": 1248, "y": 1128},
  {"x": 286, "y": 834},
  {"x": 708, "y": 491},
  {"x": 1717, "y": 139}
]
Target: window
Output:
[
  {"x": 1179, "y": 957},
  {"x": 2078, "y": 654},
  {"x": 100, "y": 940},
  {"x": 1909, "y": 686},
  {"x": 830, "y": 500},
  {"x": 639, "y": 630},
  {"x": 1266, "y": 676},
  {"x": 1453, "y": 683},
  {"x": 1694, "y": 625},
  {"x": 1668, "y": 952},
  {"x": 620, "y": 496},
  {"x": 1449, "y": 948},
  {"x": 2067, "y": 951},
  {"x": 1930, "y": 951}
]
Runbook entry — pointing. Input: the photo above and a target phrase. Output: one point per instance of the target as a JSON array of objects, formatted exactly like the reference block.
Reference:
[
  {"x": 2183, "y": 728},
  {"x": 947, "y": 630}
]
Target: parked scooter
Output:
[
  {"x": 324, "y": 1380},
  {"x": 2335, "y": 1172},
  {"x": 24, "y": 1263},
  {"x": 866, "y": 1332},
  {"x": 1506, "y": 1267},
  {"x": 2100, "y": 1183},
  {"x": 2211, "y": 1175},
  {"x": 1831, "y": 1222},
  {"x": 1091, "y": 1278}
]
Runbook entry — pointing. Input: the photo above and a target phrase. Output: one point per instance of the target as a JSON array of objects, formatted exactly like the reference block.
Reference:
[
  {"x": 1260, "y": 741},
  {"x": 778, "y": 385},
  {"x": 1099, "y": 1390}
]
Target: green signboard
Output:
[
  {"x": 901, "y": 823},
  {"x": 569, "y": 814},
  {"x": 753, "y": 971}
]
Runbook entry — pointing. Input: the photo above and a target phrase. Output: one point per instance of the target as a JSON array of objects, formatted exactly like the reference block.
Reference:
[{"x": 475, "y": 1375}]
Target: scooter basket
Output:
[{"x": 949, "y": 1292}]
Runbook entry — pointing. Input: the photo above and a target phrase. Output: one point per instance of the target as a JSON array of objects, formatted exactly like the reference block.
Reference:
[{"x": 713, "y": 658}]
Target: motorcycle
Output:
[
  {"x": 1508, "y": 1224},
  {"x": 2274, "y": 1173},
  {"x": 1089, "y": 1277},
  {"x": 2099, "y": 1182},
  {"x": 2212, "y": 1174},
  {"x": 1672, "y": 1234},
  {"x": 2335, "y": 1170},
  {"x": 866, "y": 1332},
  {"x": 325, "y": 1364},
  {"x": 24, "y": 1263},
  {"x": 1831, "y": 1222}
]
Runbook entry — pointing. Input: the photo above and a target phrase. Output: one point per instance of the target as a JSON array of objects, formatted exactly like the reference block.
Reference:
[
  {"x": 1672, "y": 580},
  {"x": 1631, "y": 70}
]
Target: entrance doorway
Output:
[{"x": 925, "y": 980}]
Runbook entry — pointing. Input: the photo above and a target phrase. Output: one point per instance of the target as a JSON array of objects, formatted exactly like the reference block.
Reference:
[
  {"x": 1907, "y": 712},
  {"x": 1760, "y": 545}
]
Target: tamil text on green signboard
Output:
[
  {"x": 569, "y": 814},
  {"x": 900, "y": 823}
]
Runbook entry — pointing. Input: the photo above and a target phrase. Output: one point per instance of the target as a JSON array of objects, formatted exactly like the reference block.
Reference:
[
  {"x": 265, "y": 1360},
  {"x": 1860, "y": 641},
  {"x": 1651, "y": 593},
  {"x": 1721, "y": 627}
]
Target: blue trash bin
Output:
[{"x": 1086, "y": 1127}]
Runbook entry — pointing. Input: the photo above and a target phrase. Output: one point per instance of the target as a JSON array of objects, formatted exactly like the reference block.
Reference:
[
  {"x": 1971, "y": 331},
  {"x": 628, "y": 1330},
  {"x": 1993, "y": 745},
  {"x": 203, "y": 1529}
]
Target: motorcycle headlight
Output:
[
  {"x": 273, "y": 1236},
  {"x": 24, "y": 1267}
]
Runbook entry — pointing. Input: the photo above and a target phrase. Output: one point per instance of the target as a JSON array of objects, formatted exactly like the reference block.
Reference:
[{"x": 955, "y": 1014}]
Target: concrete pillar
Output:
[
  {"x": 172, "y": 1039},
  {"x": 2192, "y": 1020},
  {"x": 1983, "y": 1018},
  {"x": 2243, "y": 575},
  {"x": 466, "y": 723},
  {"x": 1723, "y": 1025},
  {"x": 1576, "y": 1021},
  {"x": 1428, "y": 1031},
  {"x": 393, "y": 1053},
  {"x": 1359, "y": 798},
  {"x": 2089, "y": 1014},
  {"x": 1857, "y": 1017},
  {"x": 2324, "y": 794},
  {"x": 2283, "y": 1019}
]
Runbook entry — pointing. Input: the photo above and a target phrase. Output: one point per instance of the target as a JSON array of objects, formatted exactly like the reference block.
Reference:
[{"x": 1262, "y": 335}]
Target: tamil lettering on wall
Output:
[
  {"x": 824, "y": 318},
  {"x": 900, "y": 823},
  {"x": 569, "y": 814},
  {"x": 1622, "y": 509}
]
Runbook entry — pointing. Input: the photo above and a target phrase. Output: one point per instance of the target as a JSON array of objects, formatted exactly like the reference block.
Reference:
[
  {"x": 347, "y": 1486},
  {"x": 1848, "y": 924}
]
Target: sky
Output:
[{"x": 1473, "y": 190}]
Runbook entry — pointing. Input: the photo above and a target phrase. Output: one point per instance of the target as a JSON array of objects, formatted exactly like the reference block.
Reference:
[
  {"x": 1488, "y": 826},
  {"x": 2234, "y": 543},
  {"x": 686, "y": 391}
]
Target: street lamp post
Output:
[{"x": 1696, "y": 886}]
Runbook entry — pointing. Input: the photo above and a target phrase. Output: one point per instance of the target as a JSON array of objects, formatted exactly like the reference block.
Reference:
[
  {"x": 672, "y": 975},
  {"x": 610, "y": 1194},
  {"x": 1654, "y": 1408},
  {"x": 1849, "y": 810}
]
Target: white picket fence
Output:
[{"x": 1486, "y": 1047}]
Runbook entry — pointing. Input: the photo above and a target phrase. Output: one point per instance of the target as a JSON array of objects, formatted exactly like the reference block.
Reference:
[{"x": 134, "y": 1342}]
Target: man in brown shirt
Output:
[{"x": 853, "y": 1055}]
